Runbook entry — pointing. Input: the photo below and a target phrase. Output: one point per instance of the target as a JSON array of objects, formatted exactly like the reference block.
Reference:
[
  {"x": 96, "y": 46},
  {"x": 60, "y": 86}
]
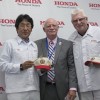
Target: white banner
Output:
[{"x": 40, "y": 10}]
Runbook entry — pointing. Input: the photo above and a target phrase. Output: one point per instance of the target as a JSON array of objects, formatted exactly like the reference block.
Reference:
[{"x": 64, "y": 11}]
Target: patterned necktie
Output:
[{"x": 51, "y": 55}]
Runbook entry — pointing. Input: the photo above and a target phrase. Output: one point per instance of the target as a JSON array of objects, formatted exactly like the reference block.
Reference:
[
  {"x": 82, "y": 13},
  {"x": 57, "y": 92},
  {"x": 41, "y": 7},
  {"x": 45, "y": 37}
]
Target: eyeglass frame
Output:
[{"x": 80, "y": 19}]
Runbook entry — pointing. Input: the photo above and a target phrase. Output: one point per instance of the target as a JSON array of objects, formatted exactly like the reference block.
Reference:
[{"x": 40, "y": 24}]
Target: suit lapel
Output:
[
  {"x": 44, "y": 48},
  {"x": 57, "y": 52},
  {"x": 58, "y": 49}
]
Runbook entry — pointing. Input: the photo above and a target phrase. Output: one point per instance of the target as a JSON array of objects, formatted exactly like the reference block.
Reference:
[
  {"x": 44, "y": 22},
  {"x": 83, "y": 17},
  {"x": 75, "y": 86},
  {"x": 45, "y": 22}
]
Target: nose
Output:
[
  {"x": 25, "y": 27},
  {"x": 51, "y": 26},
  {"x": 78, "y": 21}
]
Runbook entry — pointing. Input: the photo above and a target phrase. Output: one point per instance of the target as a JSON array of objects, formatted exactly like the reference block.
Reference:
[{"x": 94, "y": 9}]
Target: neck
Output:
[
  {"x": 26, "y": 40},
  {"x": 51, "y": 38}
]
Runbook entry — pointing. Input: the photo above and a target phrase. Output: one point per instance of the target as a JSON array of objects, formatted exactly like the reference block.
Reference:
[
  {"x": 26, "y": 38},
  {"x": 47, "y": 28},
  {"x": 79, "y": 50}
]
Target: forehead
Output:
[
  {"x": 51, "y": 21},
  {"x": 78, "y": 15},
  {"x": 24, "y": 21}
]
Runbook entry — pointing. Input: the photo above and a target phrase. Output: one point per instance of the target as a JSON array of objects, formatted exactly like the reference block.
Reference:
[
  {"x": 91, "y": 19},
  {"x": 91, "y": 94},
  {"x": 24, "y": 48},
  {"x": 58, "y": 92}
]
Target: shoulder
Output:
[
  {"x": 65, "y": 41},
  {"x": 94, "y": 27},
  {"x": 10, "y": 41},
  {"x": 40, "y": 41},
  {"x": 33, "y": 43},
  {"x": 8, "y": 44},
  {"x": 94, "y": 31},
  {"x": 73, "y": 36}
]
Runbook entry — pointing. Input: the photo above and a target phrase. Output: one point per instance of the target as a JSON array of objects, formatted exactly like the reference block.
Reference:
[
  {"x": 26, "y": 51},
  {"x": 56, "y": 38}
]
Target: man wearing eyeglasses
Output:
[{"x": 86, "y": 46}]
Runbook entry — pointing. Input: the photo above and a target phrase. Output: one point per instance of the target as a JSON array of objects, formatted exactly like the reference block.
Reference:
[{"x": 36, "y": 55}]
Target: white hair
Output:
[
  {"x": 77, "y": 11},
  {"x": 45, "y": 23}
]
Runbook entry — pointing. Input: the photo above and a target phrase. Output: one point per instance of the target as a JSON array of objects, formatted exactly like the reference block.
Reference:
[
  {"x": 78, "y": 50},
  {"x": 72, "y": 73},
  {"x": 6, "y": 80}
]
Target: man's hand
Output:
[
  {"x": 43, "y": 70},
  {"x": 71, "y": 95},
  {"x": 27, "y": 64}
]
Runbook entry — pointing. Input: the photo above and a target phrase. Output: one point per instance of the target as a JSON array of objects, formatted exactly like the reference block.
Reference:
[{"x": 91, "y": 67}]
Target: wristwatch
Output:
[{"x": 21, "y": 67}]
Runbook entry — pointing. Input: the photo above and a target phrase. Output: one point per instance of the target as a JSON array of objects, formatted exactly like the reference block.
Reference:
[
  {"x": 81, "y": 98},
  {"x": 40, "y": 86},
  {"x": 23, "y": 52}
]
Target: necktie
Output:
[{"x": 51, "y": 55}]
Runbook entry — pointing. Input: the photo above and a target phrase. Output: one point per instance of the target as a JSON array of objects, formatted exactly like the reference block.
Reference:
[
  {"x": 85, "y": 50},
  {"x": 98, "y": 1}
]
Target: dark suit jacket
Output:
[{"x": 65, "y": 74}]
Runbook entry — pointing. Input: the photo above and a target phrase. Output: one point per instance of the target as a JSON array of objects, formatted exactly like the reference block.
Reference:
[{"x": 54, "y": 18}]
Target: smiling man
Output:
[
  {"x": 16, "y": 61},
  {"x": 86, "y": 44},
  {"x": 60, "y": 81}
]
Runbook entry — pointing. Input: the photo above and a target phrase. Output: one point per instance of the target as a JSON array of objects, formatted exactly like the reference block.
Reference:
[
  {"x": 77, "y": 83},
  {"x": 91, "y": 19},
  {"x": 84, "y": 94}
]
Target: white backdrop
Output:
[{"x": 40, "y": 10}]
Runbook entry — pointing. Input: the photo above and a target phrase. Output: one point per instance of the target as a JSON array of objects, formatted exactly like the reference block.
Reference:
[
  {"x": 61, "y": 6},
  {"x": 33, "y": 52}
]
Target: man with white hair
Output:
[
  {"x": 60, "y": 81},
  {"x": 86, "y": 45}
]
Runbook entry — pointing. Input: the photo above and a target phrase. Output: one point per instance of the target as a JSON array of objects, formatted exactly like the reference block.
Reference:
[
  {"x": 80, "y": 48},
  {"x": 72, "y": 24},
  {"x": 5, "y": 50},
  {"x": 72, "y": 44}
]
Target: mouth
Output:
[
  {"x": 79, "y": 26},
  {"x": 52, "y": 31},
  {"x": 25, "y": 32}
]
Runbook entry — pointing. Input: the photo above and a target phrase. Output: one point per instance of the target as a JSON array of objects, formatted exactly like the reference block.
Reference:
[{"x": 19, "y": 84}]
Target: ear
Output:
[
  {"x": 72, "y": 21},
  {"x": 87, "y": 18},
  {"x": 43, "y": 29},
  {"x": 16, "y": 30}
]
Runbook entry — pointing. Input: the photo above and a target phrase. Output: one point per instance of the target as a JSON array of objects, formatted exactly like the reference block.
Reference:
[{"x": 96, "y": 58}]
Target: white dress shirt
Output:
[
  {"x": 85, "y": 47},
  {"x": 16, "y": 51}
]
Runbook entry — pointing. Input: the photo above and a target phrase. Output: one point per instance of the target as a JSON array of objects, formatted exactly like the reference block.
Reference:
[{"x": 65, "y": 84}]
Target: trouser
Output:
[
  {"x": 91, "y": 95},
  {"x": 28, "y": 95},
  {"x": 51, "y": 92}
]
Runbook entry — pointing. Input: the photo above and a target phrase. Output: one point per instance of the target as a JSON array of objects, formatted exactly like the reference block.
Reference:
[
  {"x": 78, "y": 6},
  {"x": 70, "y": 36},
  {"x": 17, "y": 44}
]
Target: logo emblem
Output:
[{"x": 42, "y": 61}]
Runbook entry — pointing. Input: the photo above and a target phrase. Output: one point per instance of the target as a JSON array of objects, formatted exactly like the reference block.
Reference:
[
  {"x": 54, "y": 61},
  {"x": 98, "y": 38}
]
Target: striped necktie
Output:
[{"x": 51, "y": 54}]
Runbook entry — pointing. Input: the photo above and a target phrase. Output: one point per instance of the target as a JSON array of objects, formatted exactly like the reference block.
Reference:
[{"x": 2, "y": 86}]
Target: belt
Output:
[{"x": 50, "y": 83}]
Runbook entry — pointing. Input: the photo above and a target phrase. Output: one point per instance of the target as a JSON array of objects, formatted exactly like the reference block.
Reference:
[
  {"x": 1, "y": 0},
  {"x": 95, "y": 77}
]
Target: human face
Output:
[
  {"x": 51, "y": 28},
  {"x": 80, "y": 23},
  {"x": 24, "y": 29}
]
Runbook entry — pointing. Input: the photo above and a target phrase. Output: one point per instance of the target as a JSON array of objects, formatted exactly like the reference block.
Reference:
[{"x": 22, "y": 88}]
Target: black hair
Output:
[{"x": 21, "y": 17}]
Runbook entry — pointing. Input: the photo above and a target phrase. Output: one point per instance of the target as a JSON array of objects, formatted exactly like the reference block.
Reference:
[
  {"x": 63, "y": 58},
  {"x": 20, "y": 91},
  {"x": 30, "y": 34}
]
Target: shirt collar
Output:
[
  {"x": 20, "y": 40},
  {"x": 76, "y": 34},
  {"x": 54, "y": 41},
  {"x": 89, "y": 31}
]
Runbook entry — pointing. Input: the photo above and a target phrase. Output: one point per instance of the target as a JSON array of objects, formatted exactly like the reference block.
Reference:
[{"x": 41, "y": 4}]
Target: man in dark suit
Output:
[{"x": 65, "y": 81}]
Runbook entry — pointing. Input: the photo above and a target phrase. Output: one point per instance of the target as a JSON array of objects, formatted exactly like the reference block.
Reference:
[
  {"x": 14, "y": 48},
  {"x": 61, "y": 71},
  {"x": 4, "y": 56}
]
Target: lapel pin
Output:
[{"x": 60, "y": 43}]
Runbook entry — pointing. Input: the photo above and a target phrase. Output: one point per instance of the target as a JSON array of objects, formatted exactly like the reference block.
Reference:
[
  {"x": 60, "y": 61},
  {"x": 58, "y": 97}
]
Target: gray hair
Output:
[
  {"x": 45, "y": 23},
  {"x": 77, "y": 11}
]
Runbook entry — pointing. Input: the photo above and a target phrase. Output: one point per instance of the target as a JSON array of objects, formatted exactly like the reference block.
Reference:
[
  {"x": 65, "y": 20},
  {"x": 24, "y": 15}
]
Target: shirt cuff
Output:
[{"x": 73, "y": 89}]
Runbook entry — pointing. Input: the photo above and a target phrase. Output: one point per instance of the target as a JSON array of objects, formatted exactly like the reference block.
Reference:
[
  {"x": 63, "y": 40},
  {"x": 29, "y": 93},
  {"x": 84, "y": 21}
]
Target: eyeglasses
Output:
[{"x": 80, "y": 19}]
